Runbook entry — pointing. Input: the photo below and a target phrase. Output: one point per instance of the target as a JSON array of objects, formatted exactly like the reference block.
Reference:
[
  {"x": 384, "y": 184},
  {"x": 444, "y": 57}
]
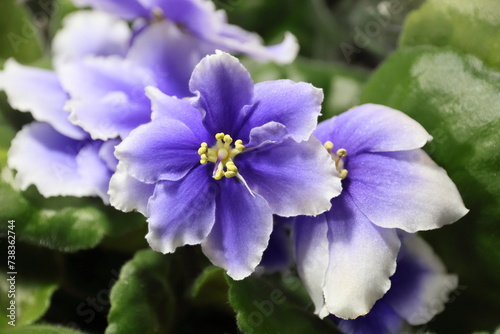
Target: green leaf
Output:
[
  {"x": 142, "y": 300},
  {"x": 341, "y": 84},
  {"x": 268, "y": 305},
  {"x": 27, "y": 292},
  {"x": 19, "y": 38},
  {"x": 41, "y": 329},
  {"x": 210, "y": 289},
  {"x": 468, "y": 26},
  {"x": 456, "y": 98}
]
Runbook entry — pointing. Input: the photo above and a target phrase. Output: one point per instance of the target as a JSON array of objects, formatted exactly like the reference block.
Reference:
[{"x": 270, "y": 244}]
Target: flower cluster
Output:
[{"x": 152, "y": 117}]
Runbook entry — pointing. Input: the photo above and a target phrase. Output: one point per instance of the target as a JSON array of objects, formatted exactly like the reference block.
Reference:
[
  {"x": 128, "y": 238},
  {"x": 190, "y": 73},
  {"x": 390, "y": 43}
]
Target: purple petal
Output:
[
  {"x": 234, "y": 39},
  {"x": 294, "y": 178},
  {"x": 169, "y": 107},
  {"x": 127, "y": 9},
  {"x": 243, "y": 224},
  {"x": 405, "y": 190},
  {"x": 311, "y": 254},
  {"x": 224, "y": 87},
  {"x": 362, "y": 258},
  {"x": 45, "y": 158},
  {"x": 165, "y": 149},
  {"x": 93, "y": 170},
  {"x": 198, "y": 17},
  {"x": 180, "y": 216},
  {"x": 296, "y": 105},
  {"x": 420, "y": 286},
  {"x": 129, "y": 194},
  {"x": 170, "y": 54},
  {"x": 381, "y": 320},
  {"x": 39, "y": 92},
  {"x": 277, "y": 256},
  {"x": 89, "y": 26},
  {"x": 105, "y": 102},
  {"x": 373, "y": 128}
]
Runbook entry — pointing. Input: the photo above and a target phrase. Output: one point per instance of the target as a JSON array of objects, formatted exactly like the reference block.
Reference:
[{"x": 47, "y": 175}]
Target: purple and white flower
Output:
[
  {"x": 420, "y": 287},
  {"x": 346, "y": 255},
  {"x": 201, "y": 20},
  {"x": 224, "y": 162}
]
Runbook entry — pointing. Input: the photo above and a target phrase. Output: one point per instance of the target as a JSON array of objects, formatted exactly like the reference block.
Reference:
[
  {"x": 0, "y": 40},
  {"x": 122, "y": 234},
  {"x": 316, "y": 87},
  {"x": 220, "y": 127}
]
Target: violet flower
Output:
[
  {"x": 346, "y": 256},
  {"x": 420, "y": 288},
  {"x": 200, "y": 19},
  {"x": 224, "y": 162},
  {"x": 59, "y": 158}
]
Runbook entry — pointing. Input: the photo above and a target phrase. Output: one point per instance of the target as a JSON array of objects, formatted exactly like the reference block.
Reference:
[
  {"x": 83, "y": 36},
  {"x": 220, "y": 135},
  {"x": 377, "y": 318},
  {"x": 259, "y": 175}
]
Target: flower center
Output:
[
  {"x": 222, "y": 155},
  {"x": 337, "y": 157}
]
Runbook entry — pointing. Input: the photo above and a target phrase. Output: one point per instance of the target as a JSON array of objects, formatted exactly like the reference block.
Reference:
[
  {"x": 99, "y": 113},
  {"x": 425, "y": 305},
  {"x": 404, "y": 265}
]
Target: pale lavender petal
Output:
[
  {"x": 104, "y": 35},
  {"x": 182, "y": 212},
  {"x": 105, "y": 102},
  {"x": 269, "y": 133},
  {"x": 127, "y": 9},
  {"x": 170, "y": 107},
  {"x": 296, "y": 105},
  {"x": 224, "y": 87},
  {"x": 93, "y": 170},
  {"x": 129, "y": 194},
  {"x": 405, "y": 190},
  {"x": 162, "y": 150},
  {"x": 312, "y": 257},
  {"x": 170, "y": 54},
  {"x": 294, "y": 178},
  {"x": 243, "y": 224},
  {"x": 111, "y": 116},
  {"x": 362, "y": 258},
  {"x": 420, "y": 286},
  {"x": 373, "y": 128},
  {"x": 107, "y": 153},
  {"x": 39, "y": 92},
  {"x": 45, "y": 158},
  {"x": 234, "y": 39},
  {"x": 382, "y": 319}
]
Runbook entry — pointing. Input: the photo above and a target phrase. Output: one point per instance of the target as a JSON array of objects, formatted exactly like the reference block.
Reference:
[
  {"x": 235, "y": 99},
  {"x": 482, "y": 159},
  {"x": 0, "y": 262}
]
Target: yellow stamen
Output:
[
  {"x": 222, "y": 154},
  {"x": 337, "y": 157}
]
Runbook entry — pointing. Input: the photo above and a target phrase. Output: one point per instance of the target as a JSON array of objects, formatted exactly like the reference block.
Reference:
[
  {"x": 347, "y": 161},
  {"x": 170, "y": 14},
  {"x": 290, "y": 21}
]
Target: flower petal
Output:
[
  {"x": 224, "y": 87},
  {"x": 129, "y": 194},
  {"x": 39, "y": 92},
  {"x": 170, "y": 54},
  {"x": 170, "y": 107},
  {"x": 373, "y": 128},
  {"x": 127, "y": 9},
  {"x": 93, "y": 170},
  {"x": 362, "y": 258},
  {"x": 234, "y": 39},
  {"x": 420, "y": 286},
  {"x": 111, "y": 116},
  {"x": 405, "y": 190},
  {"x": 243, "y": 225},
  {"x": 311, "y": 254},
  {"x": 294, "y": 178},
  {"x": 105, "y": 102},
  {"x": 382, "y": 319},
  {"x": 89, "y": 26},
  {"x": 180, "y": 216},
  {"x": 107, "y": 153},
  {"x": 45, "y": 158},
  {"x": 278, "y": 256},
  {"x": 296, "y": 105},
  {"x": 165, "y": 149}
]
